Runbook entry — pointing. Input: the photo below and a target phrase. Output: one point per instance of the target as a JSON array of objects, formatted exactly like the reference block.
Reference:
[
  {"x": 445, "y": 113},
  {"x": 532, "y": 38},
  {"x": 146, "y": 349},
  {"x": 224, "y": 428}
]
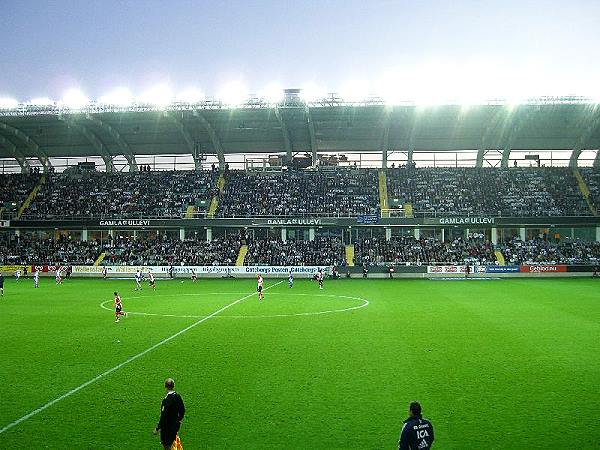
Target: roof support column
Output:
[
  {"x": 214, "y": 138},
  {"x": 385, "y": 144},
  {"x": 93, "y": 140},
  {"x": 29, "y": 142},
  {"x": 17, "y": 154},
  {"x": 287, "y": 141},
  {"x": 123, "y": 146},
  {"x": 582, "y": 141},
  {"x": 312, "y": 135}
]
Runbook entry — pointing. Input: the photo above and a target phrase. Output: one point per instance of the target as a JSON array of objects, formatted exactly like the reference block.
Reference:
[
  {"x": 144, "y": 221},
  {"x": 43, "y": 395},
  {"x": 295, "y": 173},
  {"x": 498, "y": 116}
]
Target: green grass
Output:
[{"x": 512, "y": 364}]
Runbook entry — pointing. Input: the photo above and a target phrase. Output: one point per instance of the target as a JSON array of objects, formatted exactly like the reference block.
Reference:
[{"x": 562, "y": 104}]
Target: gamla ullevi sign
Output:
[
  {"x": 125, "y": 223},
  {"x": 466, "y": 220}
]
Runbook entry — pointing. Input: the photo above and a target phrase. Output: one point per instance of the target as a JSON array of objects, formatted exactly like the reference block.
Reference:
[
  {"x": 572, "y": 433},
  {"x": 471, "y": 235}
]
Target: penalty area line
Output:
[{"x": 124, "y": 363}]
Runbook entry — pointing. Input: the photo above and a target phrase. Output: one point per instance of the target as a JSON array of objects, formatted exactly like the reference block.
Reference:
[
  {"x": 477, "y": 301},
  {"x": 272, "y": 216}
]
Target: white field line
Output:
[
  {"x": 124, "y": 363},
  {"x": 314, "y": 313}
]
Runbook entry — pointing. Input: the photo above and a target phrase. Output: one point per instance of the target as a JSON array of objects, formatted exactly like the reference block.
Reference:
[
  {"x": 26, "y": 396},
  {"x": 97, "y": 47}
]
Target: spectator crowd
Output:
[
  {"x": 406, "y": 249},
  {"x": 321, "y": 251},
  {"x": 15, "y": 188},
  {"x": 346, "y": 192},
  {"x": 488, "y": 191},
  {"x": 122, "y": 195},
  {"x": 342, "y": 192}
]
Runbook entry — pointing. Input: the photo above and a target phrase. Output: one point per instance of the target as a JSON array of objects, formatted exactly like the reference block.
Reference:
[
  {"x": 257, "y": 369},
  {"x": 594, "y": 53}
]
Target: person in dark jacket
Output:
[
  {"x": 172, "y": 411},
  {"x": 417, "y": 433}
]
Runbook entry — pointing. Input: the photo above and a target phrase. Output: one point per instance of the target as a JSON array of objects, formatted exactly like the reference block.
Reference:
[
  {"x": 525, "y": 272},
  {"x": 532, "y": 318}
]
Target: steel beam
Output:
[
  {"x": 592, "y": 124},
  {"x": 124, "y": 148},
  {"x": 17, "y": 154},
  {"x": 287, "y": 141},
  {"x": 313, "y": 139},
  {"x": 214, "y": 137},
  {"x": 94, "y": 141},
  {"x": 29, "y": 142}
]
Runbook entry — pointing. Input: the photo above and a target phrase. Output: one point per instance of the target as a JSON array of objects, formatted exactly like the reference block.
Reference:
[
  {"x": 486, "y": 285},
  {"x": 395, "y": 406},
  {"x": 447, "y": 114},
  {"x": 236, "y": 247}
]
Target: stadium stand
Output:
[
  {"x": 127, "y": 195},
  {"x": 591, "y": 176},
  {"x": 491, "y": 191},
  {"x": 14, "y": 188},
  {"x": 341, "y": 192},
  {"x": 406, "y": 249},
  {"x": 540, "y": 251},
  {"x": 165, "y": 251},
  {"x": 336, "y": 193},
  {"x": 321, "y": 251},
  {"x": 24, "y": 250}
]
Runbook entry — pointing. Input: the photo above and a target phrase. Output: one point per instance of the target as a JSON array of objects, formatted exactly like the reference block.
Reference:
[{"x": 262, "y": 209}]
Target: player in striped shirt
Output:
[
  {"x": 118, "y": 308},
  {"x": 58, "y": 277},
  {"x": 259, "y": 286},
  {"x": 151, "y": 280},
  {"x": 291, "y": 280}
]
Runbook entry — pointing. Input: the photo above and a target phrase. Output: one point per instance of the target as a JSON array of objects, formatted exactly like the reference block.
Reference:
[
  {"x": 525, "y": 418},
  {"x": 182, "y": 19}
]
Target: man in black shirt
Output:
[
  {"x": 171, "y": 415},
  {"x": 2, "y": 283},
  {"x": 417, "y": 433}
]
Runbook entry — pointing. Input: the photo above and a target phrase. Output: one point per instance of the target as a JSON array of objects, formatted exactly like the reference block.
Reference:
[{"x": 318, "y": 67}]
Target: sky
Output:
[{"x": 406, "y": 50}]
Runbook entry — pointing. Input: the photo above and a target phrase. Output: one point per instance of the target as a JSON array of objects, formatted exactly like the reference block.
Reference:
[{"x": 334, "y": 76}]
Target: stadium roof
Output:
[{"x": 328, "y": 126}]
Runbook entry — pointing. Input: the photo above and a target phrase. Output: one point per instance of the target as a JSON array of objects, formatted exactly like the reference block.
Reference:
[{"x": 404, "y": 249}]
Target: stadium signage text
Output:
[
  {"x": 224, "y": 270},
  {"x": 544, "y": 269},
  {"x": 125, "y": 223},
  {"x": 4, "y": 223},
  {"x": 292, "y": 221},
  {"x": 464, "y": 220}
]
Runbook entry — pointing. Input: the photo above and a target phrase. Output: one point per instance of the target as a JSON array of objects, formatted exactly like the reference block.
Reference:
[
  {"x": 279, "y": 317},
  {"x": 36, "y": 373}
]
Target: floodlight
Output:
[
  {"x": 354, "y": 91},
  {"x": 160, "y": 95},
  {"x": 75, "y": 99},
  {"x": 40, "y": 101},
  {"x": 311, "y": 92},
  {"x": 191, "y": 95},
  {"x": 233, "y": 93},
  {"x": 8, "y": 103},
  {"x": 272, "y": 93},
  {"x": 119, "y": 97}
]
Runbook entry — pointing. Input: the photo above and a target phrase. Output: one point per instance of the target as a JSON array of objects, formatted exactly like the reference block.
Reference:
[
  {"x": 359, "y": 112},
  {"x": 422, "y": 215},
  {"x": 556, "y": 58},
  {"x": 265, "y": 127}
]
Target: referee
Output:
[
  {"x": 171, "y": 415},
  {"x": 417, "y": 433}
]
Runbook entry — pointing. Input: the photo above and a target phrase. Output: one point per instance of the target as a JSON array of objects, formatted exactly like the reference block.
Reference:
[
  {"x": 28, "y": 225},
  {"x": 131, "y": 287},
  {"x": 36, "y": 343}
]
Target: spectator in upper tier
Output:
[{"x": 122, "y": 195}]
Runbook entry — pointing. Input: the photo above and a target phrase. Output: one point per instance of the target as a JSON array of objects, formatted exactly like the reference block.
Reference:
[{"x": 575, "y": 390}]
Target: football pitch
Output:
[{"x": 507, "y": 364}]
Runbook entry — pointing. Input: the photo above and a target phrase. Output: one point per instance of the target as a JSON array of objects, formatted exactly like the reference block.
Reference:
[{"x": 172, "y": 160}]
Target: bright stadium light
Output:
[
  {"x": 354, "y": 91},
  {"x": 160, "y": 95},
  {"x": 119, "y": 97},
  {"x": 312, "y": 92},
  {"x": 233, "y": 93},
  {"x": 40, "y": 101},
  {"x": 191, "y": 95},
  {"x": 8, "y": 103},
  {"x": 272, "y": 93},
  {"x": 75, "y": 99}
]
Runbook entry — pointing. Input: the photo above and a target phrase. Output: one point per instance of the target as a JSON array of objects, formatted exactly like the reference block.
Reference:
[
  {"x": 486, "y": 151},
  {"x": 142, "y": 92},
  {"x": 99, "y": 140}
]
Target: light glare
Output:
[
  {"x": 312, "y": 92},
  {"x": 118, "y": 97},
  {"x": 273, "y": 93},
  {"x": 75, "y": 99},
  {"x": 233, "y": 93},
  {"x": 354, "y": 91},
  {"x": 8, "y": 103},
  {"x": 192, "y": 95},
  {"x": 40, "y": 101},
  {"x": 160, "y": 95}
]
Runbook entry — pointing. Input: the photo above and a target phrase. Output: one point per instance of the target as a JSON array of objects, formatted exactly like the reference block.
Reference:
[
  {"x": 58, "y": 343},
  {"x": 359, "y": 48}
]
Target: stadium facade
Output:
[{"x": 320, "y": 137}]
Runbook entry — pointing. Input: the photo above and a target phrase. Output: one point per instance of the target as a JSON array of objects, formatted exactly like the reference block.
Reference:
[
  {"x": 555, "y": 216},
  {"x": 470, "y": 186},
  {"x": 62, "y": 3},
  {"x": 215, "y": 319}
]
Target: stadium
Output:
[{"x": 441, "y": 251}]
